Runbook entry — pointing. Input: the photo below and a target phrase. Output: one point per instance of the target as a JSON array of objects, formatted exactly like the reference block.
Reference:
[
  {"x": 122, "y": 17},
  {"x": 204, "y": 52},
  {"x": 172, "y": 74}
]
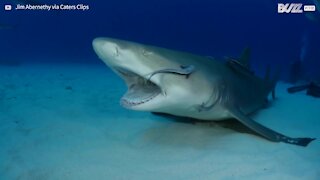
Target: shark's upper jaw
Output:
[{"x": 140, "y": 90}]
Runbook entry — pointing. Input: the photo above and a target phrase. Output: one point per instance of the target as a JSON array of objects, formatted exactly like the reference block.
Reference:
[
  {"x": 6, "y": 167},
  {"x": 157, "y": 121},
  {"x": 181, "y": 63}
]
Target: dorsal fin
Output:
[
  {"x": 241, "y": 64},
  {"x": 239, "y": 67},
  {"x": 245, "y": 57}
]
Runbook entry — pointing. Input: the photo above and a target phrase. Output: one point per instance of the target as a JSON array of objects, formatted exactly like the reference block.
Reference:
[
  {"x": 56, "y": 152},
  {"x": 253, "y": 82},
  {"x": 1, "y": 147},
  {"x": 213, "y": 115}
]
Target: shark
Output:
[{"x": 182, "y": 84}]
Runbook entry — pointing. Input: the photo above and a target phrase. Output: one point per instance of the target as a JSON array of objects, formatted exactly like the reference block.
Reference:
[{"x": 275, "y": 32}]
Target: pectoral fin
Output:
[{"x": 266, "y": 132}]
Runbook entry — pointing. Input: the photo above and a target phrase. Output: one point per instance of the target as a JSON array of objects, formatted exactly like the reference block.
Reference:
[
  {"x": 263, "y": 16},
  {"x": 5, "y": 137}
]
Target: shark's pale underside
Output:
[{"x": 188, "y": 85}]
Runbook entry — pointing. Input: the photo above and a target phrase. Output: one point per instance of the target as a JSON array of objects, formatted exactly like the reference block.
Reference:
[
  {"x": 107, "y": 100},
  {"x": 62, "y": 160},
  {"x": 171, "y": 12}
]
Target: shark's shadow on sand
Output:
[
  {"x": 183, "y": 132},
  {"x": 232, "y": 124}
]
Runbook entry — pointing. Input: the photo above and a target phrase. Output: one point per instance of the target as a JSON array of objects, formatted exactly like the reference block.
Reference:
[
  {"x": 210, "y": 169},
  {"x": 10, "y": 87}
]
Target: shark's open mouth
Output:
[{"x": 140, "y": 89}]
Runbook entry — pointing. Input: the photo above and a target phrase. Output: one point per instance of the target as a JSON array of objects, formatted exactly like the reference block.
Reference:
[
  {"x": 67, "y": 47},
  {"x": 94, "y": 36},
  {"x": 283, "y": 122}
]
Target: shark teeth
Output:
[
  {"x": 134, "y": 102},
  {"x": 140, "y": 90}
]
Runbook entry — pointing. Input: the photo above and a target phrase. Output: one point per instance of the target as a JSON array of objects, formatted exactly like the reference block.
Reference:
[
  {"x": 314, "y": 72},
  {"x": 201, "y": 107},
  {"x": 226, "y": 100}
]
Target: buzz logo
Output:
[{"x": 290, "y": 8}]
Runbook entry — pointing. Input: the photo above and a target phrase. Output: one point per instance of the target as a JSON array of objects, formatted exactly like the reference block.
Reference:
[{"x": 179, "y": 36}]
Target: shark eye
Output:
[{"x": 146, "y": 52}]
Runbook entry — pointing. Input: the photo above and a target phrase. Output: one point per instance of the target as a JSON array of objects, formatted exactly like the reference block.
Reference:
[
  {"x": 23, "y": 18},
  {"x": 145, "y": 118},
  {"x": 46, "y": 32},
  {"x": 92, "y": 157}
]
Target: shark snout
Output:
[
  {"x": 98, "y": 46},
  {"x": 105, "y": 48},
  {"x": 97, "y": 43}
]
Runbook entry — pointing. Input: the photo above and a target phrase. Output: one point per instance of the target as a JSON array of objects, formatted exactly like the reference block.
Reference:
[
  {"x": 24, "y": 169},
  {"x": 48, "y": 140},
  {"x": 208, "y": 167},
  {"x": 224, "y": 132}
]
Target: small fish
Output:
[{"x": 185, "y": 70}]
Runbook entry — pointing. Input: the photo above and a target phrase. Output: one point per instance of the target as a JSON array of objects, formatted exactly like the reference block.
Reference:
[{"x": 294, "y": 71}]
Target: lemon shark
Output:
[{"x": 183, "y": 84}]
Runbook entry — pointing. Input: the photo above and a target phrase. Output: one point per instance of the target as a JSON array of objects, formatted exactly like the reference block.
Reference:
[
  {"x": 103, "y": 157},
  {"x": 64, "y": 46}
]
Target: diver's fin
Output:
[
  {"x": 295, "y": 89},
  {"x": 245, "y": 58},
  {"x": 313, "y": 90},
  {"x": 266, "y": 132}
]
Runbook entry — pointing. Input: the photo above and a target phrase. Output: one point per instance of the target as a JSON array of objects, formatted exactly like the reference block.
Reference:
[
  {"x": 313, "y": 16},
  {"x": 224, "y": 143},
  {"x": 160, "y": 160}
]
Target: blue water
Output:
[
  {"x": 60, "y": 116},
  {"x": 219, "y": 28}
]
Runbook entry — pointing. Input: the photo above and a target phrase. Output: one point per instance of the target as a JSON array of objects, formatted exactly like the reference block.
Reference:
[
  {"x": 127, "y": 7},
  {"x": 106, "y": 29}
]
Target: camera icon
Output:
[{"x": 7, "y": 7}]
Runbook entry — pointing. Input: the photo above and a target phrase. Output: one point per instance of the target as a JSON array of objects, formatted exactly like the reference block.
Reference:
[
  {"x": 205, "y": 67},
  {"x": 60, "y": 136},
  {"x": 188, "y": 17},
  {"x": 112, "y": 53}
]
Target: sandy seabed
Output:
[{"x": 64, "y": 121}]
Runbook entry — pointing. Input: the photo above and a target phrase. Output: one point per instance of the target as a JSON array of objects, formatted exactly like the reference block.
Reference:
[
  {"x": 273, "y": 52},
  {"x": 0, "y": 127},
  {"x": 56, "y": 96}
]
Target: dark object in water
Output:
[
  {"x": 295, "y": 71},
  {"x": 68, "y": 88},
  {"x": 313, "y": 89}
]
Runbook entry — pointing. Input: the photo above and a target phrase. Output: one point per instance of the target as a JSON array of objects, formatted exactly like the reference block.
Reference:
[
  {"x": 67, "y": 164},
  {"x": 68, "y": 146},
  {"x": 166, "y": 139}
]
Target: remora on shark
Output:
[{"x": 188, "y": 85}]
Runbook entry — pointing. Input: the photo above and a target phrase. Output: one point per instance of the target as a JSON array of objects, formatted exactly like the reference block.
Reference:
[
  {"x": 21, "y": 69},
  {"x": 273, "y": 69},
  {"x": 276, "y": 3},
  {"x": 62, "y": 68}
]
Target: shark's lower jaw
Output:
[{"x": 140, "y": 90}]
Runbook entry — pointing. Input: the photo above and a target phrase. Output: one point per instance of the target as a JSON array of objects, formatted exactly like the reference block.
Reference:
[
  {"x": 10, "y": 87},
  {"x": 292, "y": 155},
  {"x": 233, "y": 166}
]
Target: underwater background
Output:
[
  {"x": 60, "y": 116},
  {"x": 209, "y": 28}
]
